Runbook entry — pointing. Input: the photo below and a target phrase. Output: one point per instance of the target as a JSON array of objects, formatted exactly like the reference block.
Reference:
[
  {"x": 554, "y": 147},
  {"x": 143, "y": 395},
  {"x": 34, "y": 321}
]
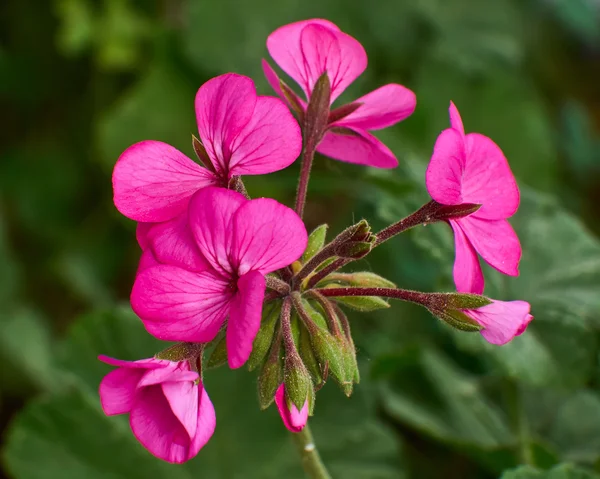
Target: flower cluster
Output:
[{"x": 239, "y": 280}]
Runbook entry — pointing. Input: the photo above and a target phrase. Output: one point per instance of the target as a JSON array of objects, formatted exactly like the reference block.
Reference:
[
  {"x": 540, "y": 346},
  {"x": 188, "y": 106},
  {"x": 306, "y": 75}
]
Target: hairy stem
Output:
[
  {"x": 422, "y": 216},
  {"x": 311, "y": 460},
  {"x": 330, "y": 268},
  {"x": 307, "y": 159},
  {"x": 396, "y": 293},
  {"x": 277, "y": 285}
]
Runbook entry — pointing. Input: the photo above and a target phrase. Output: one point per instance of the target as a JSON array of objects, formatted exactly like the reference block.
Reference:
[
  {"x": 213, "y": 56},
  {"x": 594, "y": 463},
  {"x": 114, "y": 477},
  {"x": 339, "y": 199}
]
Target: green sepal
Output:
[
  {"x": 264, "y": 337},
  {"x": 363, "y": 303},
  {"x": 329, "y": 354},
  {"x": 317, "y": 112},
  {"x": 467, "y": 301},
  {"x": 354, "y": 249},
  {"x": 298, "y": 383},
  {"x": 362, "y": 279},
  {"x": 459, "y": 320},
  {"x": 308, "y": 357},
  {"x": 181, "y": 352},
  {"x": 218, "y": 356},
  {"x": 316, "y": 241},
  {"x": 326, "y": 263}
]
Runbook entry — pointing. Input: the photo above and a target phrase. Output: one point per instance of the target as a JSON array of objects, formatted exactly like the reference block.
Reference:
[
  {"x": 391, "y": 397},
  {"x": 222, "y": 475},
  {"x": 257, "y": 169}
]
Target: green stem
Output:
[
  {"x": 311, "y": 460},
  {"x": 520, "y": 424}
]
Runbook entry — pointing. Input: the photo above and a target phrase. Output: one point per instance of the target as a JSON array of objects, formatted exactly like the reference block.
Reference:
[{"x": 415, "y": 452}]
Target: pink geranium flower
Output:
[
  {"x": 472, "y": 169},
  {"x": 236, "y": 242},
  {"x": 243, "y": 134},
  {"x": 169, "y": 410},
  {"x": 501, "y": 320},
  {"x": 305, "y": 50},
  {"x": 293, "y": 419}
]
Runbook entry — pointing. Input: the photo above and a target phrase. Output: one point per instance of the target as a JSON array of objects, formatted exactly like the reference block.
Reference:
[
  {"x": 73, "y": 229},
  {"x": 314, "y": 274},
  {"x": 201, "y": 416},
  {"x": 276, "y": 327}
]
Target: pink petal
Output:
[
  {"x": 141, "y": 234},
  {"x": 224, "y": 106},
  {"x": 334, "y": 52},
  {"x": 360, "y": 148},
  {"x": 210, "y": 215},
  {"x": 455, "y": 119},
  {"x": 172, "y": 243},
  {"x": 153, "y": 181},
  {"x": 178, "y": 305},
  {"x": 495, "y": 241},
  {"x": 381, "y": 108},
  {"x": 273, "y": 80},
  {"x": 117, "y": 390},
  {"x": 206, "y": 422},
  {"x": 444, "y": 174},
  {"x": 174, "y": 372},
  {"x": 157, "y": 428},
  {"x": 146, "y": 261},
  {"x": 293, "y": 419},
  {"x": 266, "y": 236},
  {"x": 487, "y": 179},
  {"x": 467, "y": 273},
  {"x": 182, "y": 396},
  {"x": 244, "y": 318},
  {"x": 150, "y": 363},
  {"x": 284, "y": 47},
  {"x": 269, "y": 142},
  {"x": 502, "y": 320}
]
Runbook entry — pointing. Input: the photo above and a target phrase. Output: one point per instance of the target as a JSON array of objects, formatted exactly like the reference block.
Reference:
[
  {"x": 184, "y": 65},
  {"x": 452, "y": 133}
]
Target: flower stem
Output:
[
  {"x": 277, "y": 285},
  {"x": 307, "y": 159},
  {"x": 396, "y": 293},
  {"x": 330, "y": 268},
  {"x": 311, "y": 460},
  {"x": 422, "y": 216}
]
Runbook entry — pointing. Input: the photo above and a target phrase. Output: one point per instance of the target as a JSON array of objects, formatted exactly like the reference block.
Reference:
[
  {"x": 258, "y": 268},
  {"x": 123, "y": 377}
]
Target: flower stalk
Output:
[{"x": 309, "y": 454}]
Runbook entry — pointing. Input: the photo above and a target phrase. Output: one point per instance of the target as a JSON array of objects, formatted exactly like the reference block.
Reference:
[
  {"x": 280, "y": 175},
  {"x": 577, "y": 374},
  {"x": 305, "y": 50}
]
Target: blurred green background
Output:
[{"x": 81, "y": 80}]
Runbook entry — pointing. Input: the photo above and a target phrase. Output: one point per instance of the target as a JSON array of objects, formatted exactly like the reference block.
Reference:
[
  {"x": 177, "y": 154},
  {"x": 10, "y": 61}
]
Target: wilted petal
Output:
[
  {"x": 224, "y": 105},
  {"x": 332, "y": 51},
  {"x": 467, "y": 273},
  {"x": 444, "y": 176},
  {"x": 293, "y": 419},
  {"x": 381, "y": 108},
  {"x": 284, "y": 47},
  {"x": 178, "y": 305},
  {"x": 502, "y": 320},
  {"x": 172, "y": 243},
  {"x": 358, "y": 147},
  {"x": 157, "y": 428},
  {"x": 210, "y": 216},
  {"x": 153, "y": 181},
  {"x": 269, "y": 142},
  {"x": 455, "y": 119},
  {"x": 266, "y": 236},
  {"x": 487, "y": 179},
  {"x": 495, "y": 241},
  {"x": 244, "y": 318},
  {"x": 182, "y": 397}
]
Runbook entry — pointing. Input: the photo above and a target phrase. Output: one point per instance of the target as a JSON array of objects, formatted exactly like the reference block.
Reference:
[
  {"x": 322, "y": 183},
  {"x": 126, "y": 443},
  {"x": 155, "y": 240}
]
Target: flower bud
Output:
[
  {"x": 362, "y": 279},
  {"x": 308, "y": 357},
  {"x": 354, "y": 249},
  {"x": 264, "y": 337},
  {"x": 330, "y": 354},
  {"x": 271, "y": 375},
  {"x": 316, "y": 241},
  {"x": 298, "y": 383}
]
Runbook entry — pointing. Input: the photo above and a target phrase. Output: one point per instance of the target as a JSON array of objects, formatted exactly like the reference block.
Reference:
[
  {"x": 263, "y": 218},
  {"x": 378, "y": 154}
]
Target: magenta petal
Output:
[
  {"x": 334, "y": 52},
  {"x": 360, "y": 148},
  {"x": 182, "y": 396},
  {"x": 266, "y": 236},
  {"x": 467, "y": 273},
  {"x": 153, "y": 181},
  {"x": 146, "y": 261},
  {"x": 244, "y": 318},
  {"x": 178, "y": 305},
  {"x": 150, "y": 363},
  {"x": 502, "y": 320},
  {"x": 444, "y": 174},
  {"x": 455, "y": 119},
  {"x": 292, "y": 419},
  {"x": 269, "y": 142},
  {"x": 157, "y": 428},
  {"x": 174, "y": 372},
  {"x": 141, "y": 234},
  {"x": 117, "y": 390},
  {"x": 273, "y": 80},
  {"x": 488, "y": 180},
  {"x": 224, "y": 105},
  {"x": 284, "y": 47},
  {"x": 381, "y": 108},
  {"x": 210, "y": 216},
  {"x": 206, "y": 422},
  {"x": 172, "y": 243},
  {"x": 495, "y": 241}
]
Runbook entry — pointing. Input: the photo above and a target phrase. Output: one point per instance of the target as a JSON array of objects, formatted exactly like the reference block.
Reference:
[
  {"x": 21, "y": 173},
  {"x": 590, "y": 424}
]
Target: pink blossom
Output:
[
  {"x": 169, "y": 410},
  {"x": 243, "y": 134},
  {"x": 501, "y": 320},
  {"x": 234, "y": 243},
  {"x": 293, "y": 419},
  {"x": 471, "y": 168},
  {"x": 305, "y": 50}
]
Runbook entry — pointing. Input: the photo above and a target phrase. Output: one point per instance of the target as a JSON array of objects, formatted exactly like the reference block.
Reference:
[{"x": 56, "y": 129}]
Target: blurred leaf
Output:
[
  {"x": 73, "y": 439},
  {"x": 564, "y": 471}
]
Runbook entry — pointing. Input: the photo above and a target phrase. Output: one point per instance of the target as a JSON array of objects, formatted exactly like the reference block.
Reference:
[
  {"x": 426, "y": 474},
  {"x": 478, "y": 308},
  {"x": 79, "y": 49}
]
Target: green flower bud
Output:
[
  {"x": 271, "y": 376},
  {"x": 362, "y": 279},
  {"x": 363, "y": 303},
  {"x": 316, "y": 241},
  {"x": 298, "y": 383},
  {"x": 264, "y": 337}
]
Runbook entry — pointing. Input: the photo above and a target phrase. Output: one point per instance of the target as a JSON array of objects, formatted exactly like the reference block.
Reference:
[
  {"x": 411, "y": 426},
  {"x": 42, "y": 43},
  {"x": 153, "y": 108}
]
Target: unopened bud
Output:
[
  {"x": 316, "y": 241},
  {"x": 329, "y": 353},
  {"x": 298, "y": 383},
  {"x": 264, "y": 337},
  {"x": 218, "y": 356},
  {"x": 271, "y": 376},
  {"x": 362, "y": 279},
  {"x": 354, "y": 249}
]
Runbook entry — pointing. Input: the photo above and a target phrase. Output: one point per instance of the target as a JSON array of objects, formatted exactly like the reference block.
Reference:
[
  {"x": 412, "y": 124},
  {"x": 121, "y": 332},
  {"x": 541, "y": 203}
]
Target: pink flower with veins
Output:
[
  {"x": 233, "y": 244},
  {"x": 293, "y": 419},
  {"x": 471, "y": 168},
  {"x": 169, "y": 410},
  {"x": 501, "y": 320},
  {"x": 305, "y": 50},
  {"x": 243, "y": 134}
]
